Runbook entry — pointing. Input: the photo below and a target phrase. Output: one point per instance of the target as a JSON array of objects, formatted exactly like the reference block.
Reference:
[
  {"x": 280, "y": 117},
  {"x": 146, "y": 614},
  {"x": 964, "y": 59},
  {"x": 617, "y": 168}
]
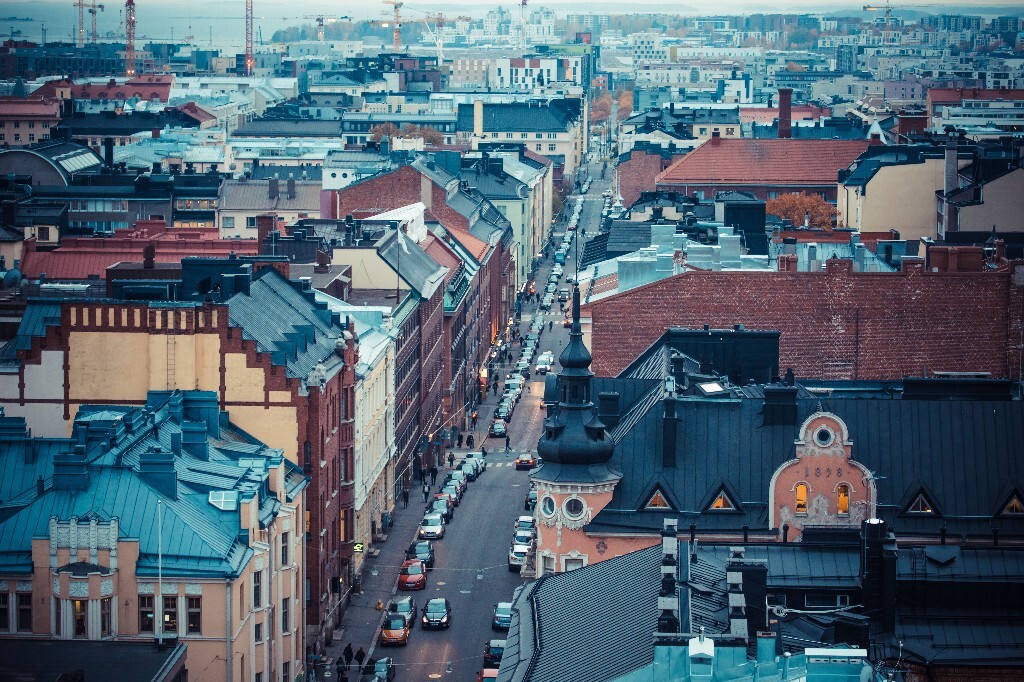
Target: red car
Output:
[{"x": 413, "y": 575}]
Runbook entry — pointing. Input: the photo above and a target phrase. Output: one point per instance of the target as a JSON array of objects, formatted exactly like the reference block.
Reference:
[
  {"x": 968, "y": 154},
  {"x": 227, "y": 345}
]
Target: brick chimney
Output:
[
  {"x": 265, "y": 224},
  {"x": 785, "y": 113},
  {"x": 273, "y": 188}
]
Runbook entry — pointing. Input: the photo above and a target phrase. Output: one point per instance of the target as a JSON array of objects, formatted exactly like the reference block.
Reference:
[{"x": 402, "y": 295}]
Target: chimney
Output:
[
  {"x": 174, "y": 407},
  {"x": 272, "y": 188},
  {"x": 608, "y": 409},
  {"x": 785, "y": 113},
  {"x": 194, "y": 440},
  {"x": 201, "y": 406},
  {"x": 108, "y": 152},
  {"x": 950, "y": 181},
  {"x": 156, "y": 467},
  {"x": 668, "y": 596},
  {"x": 878, "y": 573},
  {"x": 291, "y": 188},
  {"x": 478, "y": 118},
  {"x": 668, "y": 433},
  {"x": 716, "y": 137},
  {"x": 780, "y": 406},
  {"x": 70, "y": 471},
  {"x": 149, "y": 256},
  {"x": 265, "y": 224},
  {"x": 155, "y": 134}
]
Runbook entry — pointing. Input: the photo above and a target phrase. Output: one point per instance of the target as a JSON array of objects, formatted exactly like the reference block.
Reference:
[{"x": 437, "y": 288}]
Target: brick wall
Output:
[
  {"x": 834, "y": 325},
  {"x": 638, "y": 173}
]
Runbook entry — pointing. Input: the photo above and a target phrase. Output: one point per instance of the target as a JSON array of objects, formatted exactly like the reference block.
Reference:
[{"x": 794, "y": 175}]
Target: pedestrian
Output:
[
  {"x": 451, "y": 460},
  {"x": 347, "y": 654},
  {"x": 470, "y": 441},
  {"x": 528, "y": 388},
  {"x": 426, "y": 494},
  {"x": 360, "y": 655},
  {"x": 433, "y": 475},
  {"x": 508, "y": 443},
  {"x": 405, "y": 498},
  {"x": 494, "y": 388},
  {"x": 460, "y": 440},
  {"x": 483, "y": 451},
  {"x": 423, "y": 474},
  {"x": 551, "y": 323}
]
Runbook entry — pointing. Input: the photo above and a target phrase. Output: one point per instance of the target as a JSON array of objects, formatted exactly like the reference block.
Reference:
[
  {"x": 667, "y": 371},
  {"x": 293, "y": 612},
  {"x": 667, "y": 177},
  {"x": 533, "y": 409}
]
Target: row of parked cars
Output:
[{"x": 402, "y": 612}]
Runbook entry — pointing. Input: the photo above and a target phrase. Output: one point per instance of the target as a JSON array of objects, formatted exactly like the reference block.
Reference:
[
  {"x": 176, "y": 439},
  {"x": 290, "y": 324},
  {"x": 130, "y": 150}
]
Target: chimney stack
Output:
[
  {"x": 478, "y": 118},
  {"x": 265, "y": 224},
  {"x": 291, "y": 188},
  {"x": 878, "y": 573},
  {"x": 785, "y": 113},
  {"x": 950, "y": 181},
  {"x": 273, "y": 189},
  {"x": 668, "y": 439}
]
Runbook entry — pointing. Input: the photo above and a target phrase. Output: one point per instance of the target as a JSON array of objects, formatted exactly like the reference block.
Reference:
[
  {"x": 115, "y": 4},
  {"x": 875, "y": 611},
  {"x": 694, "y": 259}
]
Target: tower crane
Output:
[
  {"x": 93, "y": 10},
  {"x": 887, "y": 9},
  {"x": 522, "y": 24},
  {"x": 250, "y": 61},
  {"x": 129, "y": 43},
  {"x": 80, "y": 4},
  {"x": 396, "y": 35},
  {"x": 434, "y": 24},
  {"x": 321, "y": 19}
]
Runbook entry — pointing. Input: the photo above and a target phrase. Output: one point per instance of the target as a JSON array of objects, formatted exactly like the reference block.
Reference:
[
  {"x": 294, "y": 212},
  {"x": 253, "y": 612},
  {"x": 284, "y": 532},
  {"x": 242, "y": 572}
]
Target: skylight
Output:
[{"x": 225, "y": 500}]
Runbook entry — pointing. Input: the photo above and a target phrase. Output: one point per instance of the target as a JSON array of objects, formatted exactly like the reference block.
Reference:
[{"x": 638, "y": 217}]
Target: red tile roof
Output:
[
  {"x": 35, "y": 107},
  {"x": 195, "y": 112},
  {"x": 763, "y": 162},
  {"x": 77, "y": 259},
  {"x": 442, "y": 255},
  {"x": 156, "y": 87},
  {"x": 768, "y": 115}
]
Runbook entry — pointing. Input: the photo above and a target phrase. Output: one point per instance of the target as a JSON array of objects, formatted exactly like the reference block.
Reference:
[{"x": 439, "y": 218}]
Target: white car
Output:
[
  {"x": 517, "y": 557},
  {"x": 431, "y": 527},
  {"x": 478, "y": 457}
]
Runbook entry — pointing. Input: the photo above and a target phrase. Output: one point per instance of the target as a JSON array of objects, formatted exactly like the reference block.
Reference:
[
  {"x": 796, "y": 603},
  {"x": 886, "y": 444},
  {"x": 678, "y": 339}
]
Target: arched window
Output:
[
  {"x": 843, "y": 499},
  {"x": 801, "y": 498}
]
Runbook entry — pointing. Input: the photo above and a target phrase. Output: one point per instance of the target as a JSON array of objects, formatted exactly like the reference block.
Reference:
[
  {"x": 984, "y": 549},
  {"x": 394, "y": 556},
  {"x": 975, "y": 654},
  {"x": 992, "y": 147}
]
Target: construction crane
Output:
[
  {"x": 94, "y": 9},
  {"x": 522, "y": 24},
  {"x": 80, "y": 4},
  {"x": 321, "y": 19},
  {"x": 396, "y": 35},
  {"x": 887, "y": 9},
  {"x": 129, "y": 41},
  {"x": 434, "y": 24},
  {"x": 250, "y": 61}
]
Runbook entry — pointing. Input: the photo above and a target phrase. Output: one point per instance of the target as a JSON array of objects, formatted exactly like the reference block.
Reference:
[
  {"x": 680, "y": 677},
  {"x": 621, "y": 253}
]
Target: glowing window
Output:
[
  {"x": 921, "y": 505},
  {"x": 722, "y": 503},
  {"x": 1014, "y": 506},
  {"x": 843, "y": 498},
  {"x": 801, "y": 498}
]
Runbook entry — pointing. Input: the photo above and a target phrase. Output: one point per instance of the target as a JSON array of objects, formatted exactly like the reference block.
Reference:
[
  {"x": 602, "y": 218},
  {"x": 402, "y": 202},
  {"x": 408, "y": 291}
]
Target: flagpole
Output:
[{"x": 160, "y": 572}]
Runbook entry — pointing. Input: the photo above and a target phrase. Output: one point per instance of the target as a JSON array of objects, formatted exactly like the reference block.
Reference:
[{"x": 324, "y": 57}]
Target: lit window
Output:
[
  {"x": 843, "y": 499},
  {"x": 657, "y": 501},
  {"x": 801, "y": 498},
  {"x": 921, "y": 505},
  {"x": 171, "y": 614},
  {"x": 722, "y": 503},
  {"x": 80, "y": 615},
  {"x": 1014, "y": 506}
]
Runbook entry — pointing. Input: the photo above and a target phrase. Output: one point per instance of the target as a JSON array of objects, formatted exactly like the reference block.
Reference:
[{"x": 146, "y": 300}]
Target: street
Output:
[{"x": 471, "y": 568}]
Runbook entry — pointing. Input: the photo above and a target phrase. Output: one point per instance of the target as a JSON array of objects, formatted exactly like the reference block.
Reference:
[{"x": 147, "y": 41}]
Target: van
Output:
[{"x": 560, "y": 257}]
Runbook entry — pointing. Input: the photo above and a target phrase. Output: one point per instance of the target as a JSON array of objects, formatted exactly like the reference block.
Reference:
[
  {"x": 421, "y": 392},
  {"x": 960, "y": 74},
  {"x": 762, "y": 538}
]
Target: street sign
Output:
[{"x": 357, "y": 547}]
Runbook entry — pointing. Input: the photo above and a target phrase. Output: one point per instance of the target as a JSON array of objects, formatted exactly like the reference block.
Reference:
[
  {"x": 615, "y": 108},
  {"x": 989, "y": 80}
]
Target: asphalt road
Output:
[{"x": 471, "y": 561}]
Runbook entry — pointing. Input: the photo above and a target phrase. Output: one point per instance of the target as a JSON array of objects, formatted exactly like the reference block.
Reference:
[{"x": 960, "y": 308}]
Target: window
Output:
[
  {"x": 551, "y": 147},
  {"x": 547, "y": 505},
  {"x": 105, "y": 617},
  {"x": 801, "y": 498},
  {"x": 5, "y": 611},
  {"x": 17, "y": 137},
  {"x": 259, "y": 632},
  {"x": 241, "y": 601},
  {"x": 171, "y": 614},
  {"x": 249, "y": 221},
  {"x": 195, "y": 615},
  {"x": 722, "y": 503},
  {"x": 43, "y": 233},
  {"x": 843, "y": 499},
  {"x": 573, "y": 564},
  {"x": 1014, "y": 506},
  {"x": 730, "y": 131},
  {"x": 703, "y": 131},
  {"x": 921, "y": 505},
  {"x": 574, "y": 507},
  {"x": 25, "y": 612},
  {"x": 284, "y": 550},
  {"x": 80, "y": 616},
  {"x": 31, "y": 137},
  {"x": 257, "y": 589},
  {"x": 145, "y": 614},
  {"x": 58, "y": 616},
  {"x": 285, "y": 603},
  {"x": 259, "y": 677},
  {"x": 286, "y": 671},
  {"x": 549, "y": 565},
  {"x": 826, "y": 601}
]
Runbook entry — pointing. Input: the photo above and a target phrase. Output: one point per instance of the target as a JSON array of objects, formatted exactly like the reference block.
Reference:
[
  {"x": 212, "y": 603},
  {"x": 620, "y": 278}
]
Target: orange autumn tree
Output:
[
  {"x": 793, "y": 206},
  {"x": 601, "y": 107},
  {"x": 625, "y": 105}
]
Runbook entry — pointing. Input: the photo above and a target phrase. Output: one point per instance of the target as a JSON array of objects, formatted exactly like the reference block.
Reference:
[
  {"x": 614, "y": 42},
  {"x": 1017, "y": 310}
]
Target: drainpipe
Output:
[{"x": 227, "y": 626}]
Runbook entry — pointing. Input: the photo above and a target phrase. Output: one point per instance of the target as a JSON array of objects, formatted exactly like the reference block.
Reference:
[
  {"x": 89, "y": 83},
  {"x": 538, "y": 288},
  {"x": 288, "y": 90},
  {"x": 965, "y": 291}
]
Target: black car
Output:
[
  {"x": 422, "y": 550},
  {"x": 437, "y": 614},
  {"x": 406, "y": 606},
  {"x": 453, "y": 490},
  {"x": 440, "y": 507},
  {"x": 492, "y": 653},
  {"x": 531, "y": 500}
]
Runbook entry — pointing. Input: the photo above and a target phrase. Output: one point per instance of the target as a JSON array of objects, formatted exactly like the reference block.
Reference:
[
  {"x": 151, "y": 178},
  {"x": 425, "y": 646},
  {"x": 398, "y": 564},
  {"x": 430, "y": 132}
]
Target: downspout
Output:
[{"x": 227, "y": 626}]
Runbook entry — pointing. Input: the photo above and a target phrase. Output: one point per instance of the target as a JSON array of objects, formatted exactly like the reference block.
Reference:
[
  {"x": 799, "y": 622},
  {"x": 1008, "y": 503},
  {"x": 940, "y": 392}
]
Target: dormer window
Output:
[
  {"x": 921, "y": 505},
  {"x": 722, "y": 503},
  {"x": 1014, "y": 507}
]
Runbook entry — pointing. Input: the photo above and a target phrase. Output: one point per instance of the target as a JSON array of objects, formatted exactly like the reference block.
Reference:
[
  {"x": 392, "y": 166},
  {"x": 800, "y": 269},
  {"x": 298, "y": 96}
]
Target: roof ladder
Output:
[{"x": 171, "y": 353}]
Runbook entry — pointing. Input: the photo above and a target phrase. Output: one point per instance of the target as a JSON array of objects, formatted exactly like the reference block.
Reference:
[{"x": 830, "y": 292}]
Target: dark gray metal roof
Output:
[
  {"x": 593, "y": 623},
  {"x": 553, "y": 116},
  {"x": 414, "y": 265}
]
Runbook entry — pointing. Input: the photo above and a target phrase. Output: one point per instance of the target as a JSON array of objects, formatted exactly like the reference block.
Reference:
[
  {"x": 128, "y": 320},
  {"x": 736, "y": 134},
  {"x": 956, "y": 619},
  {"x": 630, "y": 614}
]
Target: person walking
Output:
[
  {"x": 470, "y": 441},
  {"x": 551, "y": 323},
  {"x": 405, "y": 498},
  {"x": 483, "y": 451},
  {"x": 347, "y": 654},
  {"x": 433, "y": 475},
  {"x": 360, "y": 655},
  {"x": 451, "y": 460},
  {"x": 508, "y": 443},
  {"x": 460, "y": 440},
  {"x": 426, "y": 494}
]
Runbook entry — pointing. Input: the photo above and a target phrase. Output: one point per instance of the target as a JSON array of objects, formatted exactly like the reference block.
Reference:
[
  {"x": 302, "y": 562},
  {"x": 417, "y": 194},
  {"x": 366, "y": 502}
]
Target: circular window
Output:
[
  {"x": 823, "y": 437},
  {"x": 547, "y": 506},
  {"x": 574, "y": 507},
  {"x": 344, "y": 175},
  {"x": 334, "y": 175}
]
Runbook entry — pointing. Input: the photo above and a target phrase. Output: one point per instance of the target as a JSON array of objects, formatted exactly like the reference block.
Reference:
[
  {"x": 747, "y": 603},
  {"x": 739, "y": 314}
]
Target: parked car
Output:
[
  {"x": 542, "y": 367},
  {"x": 395, "y": 630},
  {"x": 476, "y": 464},
  {"x": 525, "y": 522},
  {"x": 456, "y": 478},
  {"x": 437, "y": 614},
  {"x": 431, "y": 527},
  {"x": 502, "y": 619},
  {"x": 404, "y": 607},
  {"x": 531, "y": 500},
  {"x": 492, "y": 653},
  {"x": 545, "y": 303},
  {"x": 525, "y": 461},
  {"x": 517, "y": 556},
  {"x": 487, "y": 674},
  {"x": 522, "y": 537},
  {"x": 563, "y": 295},
  {"x": 497, "y": 428},
  {"x": 478, "y": 456},
  {"x": 383, "y": 669},
  {"x": 413, "y": 575},
  {"x": 424, "y": 551},
  {"x": 447, "y": 497},
  {"x": 454, "y": 491},
  {"x": 469, "y": 469},
  {"x": 503, "y": 412},
  {"x": 440, "y": 507}
]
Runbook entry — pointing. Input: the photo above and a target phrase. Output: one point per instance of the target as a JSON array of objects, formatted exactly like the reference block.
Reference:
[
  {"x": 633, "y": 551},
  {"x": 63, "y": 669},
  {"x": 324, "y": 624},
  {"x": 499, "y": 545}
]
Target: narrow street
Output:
[{"x": 471, "y": 567}]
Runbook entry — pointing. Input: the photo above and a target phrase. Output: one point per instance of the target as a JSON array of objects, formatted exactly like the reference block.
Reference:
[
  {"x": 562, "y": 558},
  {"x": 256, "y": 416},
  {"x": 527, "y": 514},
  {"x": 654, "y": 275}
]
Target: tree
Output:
[
  {"x": 430, "y": 135},
  {"x": 794, "y": 206},
  {"x": 382, "y": 130},
  {"x": 625, "y": 105},
  {"x": 601, "y": 107}
]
